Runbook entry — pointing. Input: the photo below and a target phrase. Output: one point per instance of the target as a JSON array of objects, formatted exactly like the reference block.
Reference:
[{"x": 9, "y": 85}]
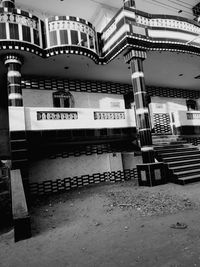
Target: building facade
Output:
[{"x": 64, "y": 133}]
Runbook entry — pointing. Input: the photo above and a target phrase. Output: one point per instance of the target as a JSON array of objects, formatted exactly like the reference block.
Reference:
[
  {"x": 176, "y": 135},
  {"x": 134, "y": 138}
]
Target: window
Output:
[
  {"x": 14, "y": 32},
  {"x": 36, "y": 37},
  {"x": 63, "y": 99},
  {"x": 91, "y": 40},
  {"x": 63, "y": 37},
  {"x": 3, "y": 30},
  {"x": 74, "y": 37},
  {"x": 53, "y": 38},
  {"x": 26, "y": 33},
  {"x": 84, "y": 39},
  {"x": 191, "y": 104}
]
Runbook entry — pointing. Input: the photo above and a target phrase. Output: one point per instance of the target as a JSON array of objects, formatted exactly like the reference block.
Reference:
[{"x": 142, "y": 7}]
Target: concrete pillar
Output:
[
  {"x": 135, "y": 59},
  {"x": 8, "y": 3},
  {"x": 13, "y": 63},
  {"x": 129, "y": 3},
  {"x": 150, "y": 173}
]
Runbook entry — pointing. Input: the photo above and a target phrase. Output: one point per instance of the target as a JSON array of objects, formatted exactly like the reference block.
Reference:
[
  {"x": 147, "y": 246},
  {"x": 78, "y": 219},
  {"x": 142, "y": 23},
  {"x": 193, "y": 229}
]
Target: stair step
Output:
[
  {"x": 18, "y": 140},
  {"x": 184, "y": 162},
  {"x": 185, "y": 167},
  {"x": 5, "y": 193},
  {"x": 183, "y": 153},
  {"x": 181, "y": 158},
  {"x": 169, "y": 143},
  {"x": 188, "y": 179},
  {"x": 177, "y": 149},
  {"x": 188, "y": 172},
  {"x": 166, "y": 146}
]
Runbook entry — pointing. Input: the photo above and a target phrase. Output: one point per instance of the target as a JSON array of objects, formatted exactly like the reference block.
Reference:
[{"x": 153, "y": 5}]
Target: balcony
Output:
[
  {"x": 187, "y": 122},
  {"x": 40, "y": 119},
  {"x": 20, "y": 30}
]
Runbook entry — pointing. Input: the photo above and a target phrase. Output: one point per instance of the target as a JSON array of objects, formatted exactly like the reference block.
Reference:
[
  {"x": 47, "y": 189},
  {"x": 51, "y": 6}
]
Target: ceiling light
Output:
[
  {"x": 181, "y": 74},
  {"x": 66, "y": 68},
  {"x": 197, "y": 77},
  {"x": 180, "y": 11}
]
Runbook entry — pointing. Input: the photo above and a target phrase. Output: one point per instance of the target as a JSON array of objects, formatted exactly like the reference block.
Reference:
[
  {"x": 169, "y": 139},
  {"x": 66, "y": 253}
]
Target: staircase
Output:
[
  {"x": 5, "y": 200},
  {"x": 182, "y": 159}
]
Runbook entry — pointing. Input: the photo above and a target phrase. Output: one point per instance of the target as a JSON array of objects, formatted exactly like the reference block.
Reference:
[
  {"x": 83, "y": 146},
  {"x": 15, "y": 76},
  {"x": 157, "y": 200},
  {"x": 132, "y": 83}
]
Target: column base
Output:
[{"x": 152, "y": 174}]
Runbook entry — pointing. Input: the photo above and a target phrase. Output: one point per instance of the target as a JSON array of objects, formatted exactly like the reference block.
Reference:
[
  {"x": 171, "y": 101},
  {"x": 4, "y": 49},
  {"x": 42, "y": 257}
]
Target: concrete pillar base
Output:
[{"x": 152, "y": 174}]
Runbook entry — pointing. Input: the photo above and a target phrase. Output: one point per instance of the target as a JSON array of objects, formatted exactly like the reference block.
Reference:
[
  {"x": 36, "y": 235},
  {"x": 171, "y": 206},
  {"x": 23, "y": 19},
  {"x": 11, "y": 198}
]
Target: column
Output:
[
  {"x": 13, "y": 63},
  {"x": 8, "y": 3},
  {"x": 129, "y": 3},
  {"x": 135, "y": 59},
  {"x": 150, "y": 173}
]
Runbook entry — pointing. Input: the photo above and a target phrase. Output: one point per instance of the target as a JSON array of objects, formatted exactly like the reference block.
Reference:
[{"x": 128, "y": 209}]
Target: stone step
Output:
[
  {"x": 184, "y": 162},
  {"x": 183, "y": 153},
  {"x": 187, "y": 173},
  {"x": 170, "y": 146},
  {"x": 3, "y": 186},
  {"x": 185, "y": 167},
  {"x": 175, "y": 149},
  {"x": 188, "y": 179},
  {"x": 164, "y": 143},
  {"x": 4, "y": 194},
  {"x": 181, "y": 158}
]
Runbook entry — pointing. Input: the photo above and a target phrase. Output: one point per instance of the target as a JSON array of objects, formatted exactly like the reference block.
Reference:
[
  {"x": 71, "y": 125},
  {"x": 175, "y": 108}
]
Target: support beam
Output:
[
  {"x": 8, "y": 3},
  {"x": 13, "y": 63},
  {"x": 150, "y": 173},
  {"x": 135, "y": 59}
]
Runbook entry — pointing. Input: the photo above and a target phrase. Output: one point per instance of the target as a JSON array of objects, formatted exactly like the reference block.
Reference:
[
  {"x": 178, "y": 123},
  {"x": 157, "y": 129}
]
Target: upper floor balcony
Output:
[
  {"x": 40, "y": 119},
  {"x": 129, "y": 28}
]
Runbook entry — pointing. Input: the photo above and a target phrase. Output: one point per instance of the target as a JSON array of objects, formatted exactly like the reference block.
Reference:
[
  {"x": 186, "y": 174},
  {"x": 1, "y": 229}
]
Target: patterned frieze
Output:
[
  {"x": 71, "y": 25},
  {"x": 47, "y": 115},
  {"x": 104, "y": 87},
  {"x": 14, "y": 18},
  {"x": 168, "y": 23}
]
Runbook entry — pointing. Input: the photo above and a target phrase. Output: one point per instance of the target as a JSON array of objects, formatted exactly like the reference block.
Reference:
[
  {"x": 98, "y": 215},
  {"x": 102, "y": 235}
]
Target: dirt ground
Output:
[{"x": 109, "y": 226}]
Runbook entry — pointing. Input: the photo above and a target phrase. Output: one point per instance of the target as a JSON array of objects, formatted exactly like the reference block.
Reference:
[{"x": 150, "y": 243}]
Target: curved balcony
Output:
[
  {"x": 20, "y": 30},
  {"x": 71, "y": 35},
  {"x": 150, "y": 32}
]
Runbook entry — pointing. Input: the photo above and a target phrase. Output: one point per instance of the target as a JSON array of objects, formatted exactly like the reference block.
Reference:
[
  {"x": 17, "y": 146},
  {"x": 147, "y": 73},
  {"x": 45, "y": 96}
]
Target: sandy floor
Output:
[{"x": 107, "y": 226}]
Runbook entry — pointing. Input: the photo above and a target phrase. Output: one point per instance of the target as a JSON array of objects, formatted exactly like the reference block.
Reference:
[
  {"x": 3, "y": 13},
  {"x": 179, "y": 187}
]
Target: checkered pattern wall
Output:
[
  {"x": 162, "y": 123},
  {"x": 49, "y": 187},
  {"x": 103, "y": 87}
]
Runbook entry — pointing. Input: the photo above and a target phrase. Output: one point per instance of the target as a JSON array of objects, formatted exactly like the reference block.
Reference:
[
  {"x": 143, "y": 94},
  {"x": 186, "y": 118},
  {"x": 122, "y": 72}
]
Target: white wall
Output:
[
  {"x": 60, "y": 168},
  {"x": 43, "y": 98},
  {"x": 167, "y": 104}
]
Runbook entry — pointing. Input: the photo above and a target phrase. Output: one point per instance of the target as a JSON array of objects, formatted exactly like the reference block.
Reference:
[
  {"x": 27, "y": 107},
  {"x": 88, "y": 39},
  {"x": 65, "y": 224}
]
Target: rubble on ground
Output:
[{"x": 149, "y": 203}]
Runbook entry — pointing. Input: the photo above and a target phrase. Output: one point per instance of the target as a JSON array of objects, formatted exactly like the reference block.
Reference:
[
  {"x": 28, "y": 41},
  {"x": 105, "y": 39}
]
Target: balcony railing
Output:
[
  {"x": 187, "y": 118},
  {"x": 37, "y": 119}
]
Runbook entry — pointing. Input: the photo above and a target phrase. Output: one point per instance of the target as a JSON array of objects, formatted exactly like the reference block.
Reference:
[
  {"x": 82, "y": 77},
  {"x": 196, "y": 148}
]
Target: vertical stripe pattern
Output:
[
  {"x": 13, "y": 64},
  {"x": 135, "y": 59},
  {"x": 8, "y": 3}
]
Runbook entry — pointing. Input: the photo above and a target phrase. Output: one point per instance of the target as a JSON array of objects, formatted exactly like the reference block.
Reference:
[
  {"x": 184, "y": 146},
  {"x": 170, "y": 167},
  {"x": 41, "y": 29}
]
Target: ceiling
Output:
[
  {"x": 165, "y": 69},
  {"x": 161, "y": 69}
]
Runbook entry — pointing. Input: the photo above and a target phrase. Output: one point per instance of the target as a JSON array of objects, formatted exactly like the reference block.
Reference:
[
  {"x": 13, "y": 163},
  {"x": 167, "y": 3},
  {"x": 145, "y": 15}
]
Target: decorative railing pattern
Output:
[
  {"x": 193, "y": 116},
  {"x": 168, "y": 23},
  {"x": 109, "y": 116},
  {"x": 45, "y": 115},
  {"x": 20, "y": 26},
  {"x": 68, "y": 30}
]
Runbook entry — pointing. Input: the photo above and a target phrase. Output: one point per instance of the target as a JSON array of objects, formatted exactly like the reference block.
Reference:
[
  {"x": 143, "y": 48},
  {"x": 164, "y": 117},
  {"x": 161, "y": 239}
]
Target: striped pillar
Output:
[
  {"x": 135, "y": 59},
  {"x": 129, "y": 3},
  {"x": 8, "y": 3},
  {"x": 13, "y": 64}
]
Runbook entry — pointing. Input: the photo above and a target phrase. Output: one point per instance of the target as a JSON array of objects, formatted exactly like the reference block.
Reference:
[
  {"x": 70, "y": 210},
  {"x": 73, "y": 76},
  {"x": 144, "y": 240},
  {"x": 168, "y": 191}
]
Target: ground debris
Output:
[{"x": 149, "y": 203}]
